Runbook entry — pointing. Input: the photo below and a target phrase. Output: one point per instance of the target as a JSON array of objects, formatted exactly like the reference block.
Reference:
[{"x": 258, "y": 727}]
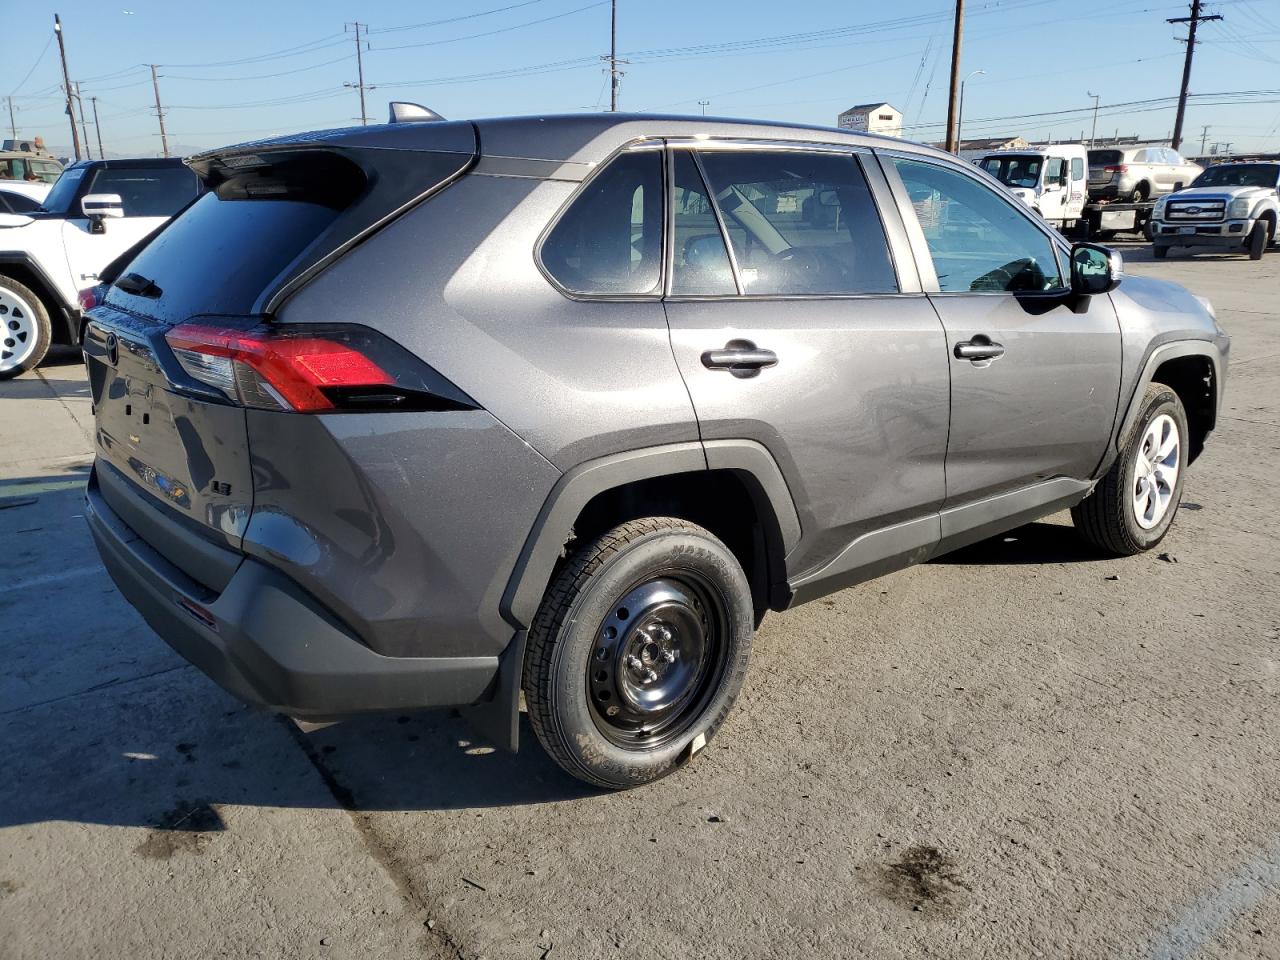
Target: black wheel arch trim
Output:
[
  {"x": 47, "y": 291},
  {"x": 1213, "y": 350},
  {"x": 576, "y": 488}
]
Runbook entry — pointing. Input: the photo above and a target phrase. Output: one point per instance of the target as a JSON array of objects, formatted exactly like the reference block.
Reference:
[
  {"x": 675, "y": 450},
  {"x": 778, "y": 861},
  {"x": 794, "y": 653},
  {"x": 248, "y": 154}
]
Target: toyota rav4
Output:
[{"x": 433, "y": 414}]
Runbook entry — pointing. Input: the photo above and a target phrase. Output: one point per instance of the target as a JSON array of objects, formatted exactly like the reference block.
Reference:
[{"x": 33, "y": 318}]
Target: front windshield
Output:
[
  {"x": 59, "y": 198},
  {"x": 1014, "y": 171},
  {"x": 1239, "y": 175}
]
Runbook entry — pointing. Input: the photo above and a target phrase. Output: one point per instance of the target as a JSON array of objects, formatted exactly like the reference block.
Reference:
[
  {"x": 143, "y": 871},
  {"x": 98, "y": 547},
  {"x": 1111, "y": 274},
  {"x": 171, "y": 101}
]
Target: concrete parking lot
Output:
[{"x": 1021, "y": 750}]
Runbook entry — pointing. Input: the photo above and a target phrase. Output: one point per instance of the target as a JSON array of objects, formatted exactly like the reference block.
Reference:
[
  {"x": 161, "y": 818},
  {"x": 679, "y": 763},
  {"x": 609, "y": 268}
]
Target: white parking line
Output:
[
  {"x": 1220, "y": 907},
  {"x": 52, "y": 578}
]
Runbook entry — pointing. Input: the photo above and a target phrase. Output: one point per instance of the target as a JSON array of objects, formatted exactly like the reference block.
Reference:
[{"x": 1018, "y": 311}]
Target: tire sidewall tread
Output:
[
  {"x": 1106, "y": 517},
  {"x": 563, "y": 634},
  {"x": 44, "y": 327}
]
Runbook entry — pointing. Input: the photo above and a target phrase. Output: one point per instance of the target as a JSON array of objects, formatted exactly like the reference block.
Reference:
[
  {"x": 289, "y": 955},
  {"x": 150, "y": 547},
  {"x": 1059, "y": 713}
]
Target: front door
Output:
[
  {"x": 801, "y": 335},
  {"x": 1034, "y": 381}
]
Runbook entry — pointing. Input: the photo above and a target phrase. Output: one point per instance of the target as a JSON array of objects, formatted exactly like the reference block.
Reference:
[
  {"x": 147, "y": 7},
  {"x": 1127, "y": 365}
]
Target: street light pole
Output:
[
  {"x": 960, "y": 107},
  {"x": 1097, "y": 97}
]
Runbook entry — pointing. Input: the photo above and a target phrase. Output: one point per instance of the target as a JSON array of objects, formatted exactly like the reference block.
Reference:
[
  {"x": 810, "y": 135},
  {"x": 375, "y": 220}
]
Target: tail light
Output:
[
  {"x": 90, "y": 297},
  {"x": 310, "y": 369},
  {"x": 1117, "y": 168}
]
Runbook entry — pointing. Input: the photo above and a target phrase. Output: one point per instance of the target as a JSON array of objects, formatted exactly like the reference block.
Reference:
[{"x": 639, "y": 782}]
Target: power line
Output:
[
  {"x": 447, "y": 20},
  {"x": 39, "y": 60},
  {"x": 491, "y": 33}
]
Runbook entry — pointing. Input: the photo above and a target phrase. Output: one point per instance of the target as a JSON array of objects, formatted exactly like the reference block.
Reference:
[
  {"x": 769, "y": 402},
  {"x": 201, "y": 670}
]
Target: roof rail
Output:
[{"x": 404, "y": 112}]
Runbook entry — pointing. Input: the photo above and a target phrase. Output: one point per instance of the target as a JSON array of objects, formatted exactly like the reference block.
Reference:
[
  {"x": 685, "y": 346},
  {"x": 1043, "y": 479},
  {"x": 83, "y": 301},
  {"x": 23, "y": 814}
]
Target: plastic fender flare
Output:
[
  {"x": 576, "y": 488},
  {"x": 46, "y": 289},
  {"x": 1208, "y": 349}
]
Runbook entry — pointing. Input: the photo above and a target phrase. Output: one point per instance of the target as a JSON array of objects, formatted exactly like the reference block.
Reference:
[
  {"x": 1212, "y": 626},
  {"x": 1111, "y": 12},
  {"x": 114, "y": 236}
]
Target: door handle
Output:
[
  {"x": 979, "y": 348},
  {"x": 742, "y": 358}
]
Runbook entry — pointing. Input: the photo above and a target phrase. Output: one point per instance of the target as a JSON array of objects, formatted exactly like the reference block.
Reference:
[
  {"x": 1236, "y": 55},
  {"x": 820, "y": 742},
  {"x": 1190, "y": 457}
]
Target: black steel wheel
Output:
[{"x": 638, "y": 651}]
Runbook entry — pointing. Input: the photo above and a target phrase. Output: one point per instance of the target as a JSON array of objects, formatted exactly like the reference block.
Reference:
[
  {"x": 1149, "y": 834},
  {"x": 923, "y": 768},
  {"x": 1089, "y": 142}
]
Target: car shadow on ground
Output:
[{"x": 1034, "y": 543}]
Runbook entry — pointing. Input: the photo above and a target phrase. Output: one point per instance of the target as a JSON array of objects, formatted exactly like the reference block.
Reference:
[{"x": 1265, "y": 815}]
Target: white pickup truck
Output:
[
  {"x": 96, "y": 211},
  {"x": 1233, "y": 206}
]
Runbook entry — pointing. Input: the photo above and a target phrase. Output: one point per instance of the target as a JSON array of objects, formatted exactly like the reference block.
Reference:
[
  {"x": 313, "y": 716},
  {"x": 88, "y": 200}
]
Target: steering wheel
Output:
[
  {"x": 807, "y": 269},
  {"x": 1021, "y": 274}
]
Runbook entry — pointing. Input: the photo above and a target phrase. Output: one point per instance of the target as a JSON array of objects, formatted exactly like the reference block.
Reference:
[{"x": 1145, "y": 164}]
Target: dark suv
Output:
[{"x": 428, "y": 414}]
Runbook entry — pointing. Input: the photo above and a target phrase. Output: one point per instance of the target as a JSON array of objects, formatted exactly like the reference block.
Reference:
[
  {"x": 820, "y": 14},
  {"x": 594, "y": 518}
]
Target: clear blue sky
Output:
[{"x": 278, "y": 66}]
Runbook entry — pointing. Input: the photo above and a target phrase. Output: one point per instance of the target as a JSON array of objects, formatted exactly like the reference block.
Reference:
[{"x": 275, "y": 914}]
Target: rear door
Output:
[
  {"x": 809, "y": 334},
  {"x": 1034, "y": 384}
]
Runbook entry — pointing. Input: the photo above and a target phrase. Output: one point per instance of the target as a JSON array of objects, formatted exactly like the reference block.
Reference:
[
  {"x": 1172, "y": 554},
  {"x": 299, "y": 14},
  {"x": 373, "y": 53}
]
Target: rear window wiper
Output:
[{"x": 138, "y": 285}]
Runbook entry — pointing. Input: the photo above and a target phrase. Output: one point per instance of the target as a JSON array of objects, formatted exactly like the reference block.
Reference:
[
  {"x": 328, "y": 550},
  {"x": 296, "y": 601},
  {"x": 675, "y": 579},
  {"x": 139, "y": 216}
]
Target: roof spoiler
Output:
[{"x": 404, "y": 112}]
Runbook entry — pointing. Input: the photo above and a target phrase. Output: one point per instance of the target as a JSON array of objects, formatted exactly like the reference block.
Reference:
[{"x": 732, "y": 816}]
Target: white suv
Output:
[
  {"x": 96, "y": 211},
  {"x": 1138, "y": 173}
]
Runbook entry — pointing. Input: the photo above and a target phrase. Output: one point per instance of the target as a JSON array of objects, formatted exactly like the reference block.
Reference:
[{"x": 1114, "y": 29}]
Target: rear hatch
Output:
[
  {"x": 173, "y": 349},
  {"x": 1099, "y": 161}
]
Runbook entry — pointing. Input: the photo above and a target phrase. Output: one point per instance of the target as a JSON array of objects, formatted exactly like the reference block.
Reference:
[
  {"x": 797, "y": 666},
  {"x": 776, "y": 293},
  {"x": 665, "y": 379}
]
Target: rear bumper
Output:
[{"x": 268, "y": 642}]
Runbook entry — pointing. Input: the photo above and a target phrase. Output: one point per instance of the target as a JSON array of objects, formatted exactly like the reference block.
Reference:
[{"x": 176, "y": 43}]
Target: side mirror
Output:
[
  {"x": 1177, "y": 185},
  {"x": 1095, "y": 269},
  {"x": 98, "y": 207}
]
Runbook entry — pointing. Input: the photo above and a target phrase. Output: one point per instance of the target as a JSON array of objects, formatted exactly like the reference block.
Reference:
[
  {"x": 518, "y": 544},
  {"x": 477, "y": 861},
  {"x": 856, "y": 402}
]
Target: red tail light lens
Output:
[
  {"x": 1119, "y": 168},
  {"x": 309, "y": 369},
  {"x": 90, "y": 297}
]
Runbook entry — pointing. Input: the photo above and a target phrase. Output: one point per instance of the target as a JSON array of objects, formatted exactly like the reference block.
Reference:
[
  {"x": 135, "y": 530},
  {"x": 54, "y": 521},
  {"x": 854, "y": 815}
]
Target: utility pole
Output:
[
  {"x": 1204, "y": 138},
  {"x": 66, "y": 85},
  {"x": 614, "y": 73},
  {"x": 1192, "y": 22},
  {"x": 953, "y": 143},
  {"x": 13, "y": 126},
  {"x": 704, "y": 104},
  {"x": 1097, "y": 98},
  {"x": 360, "y": 84},
  {"x": 97, "y": 128},
  {"x": 84, "y": 128},
  {"x": 155, "y": 85}
]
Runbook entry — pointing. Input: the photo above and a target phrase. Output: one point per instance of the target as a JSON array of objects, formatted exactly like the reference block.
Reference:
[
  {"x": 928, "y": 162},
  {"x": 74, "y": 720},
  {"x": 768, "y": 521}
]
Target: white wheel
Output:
[
  {"x": 24, "y": 329},
  {"x": 1155, "y": 471}
]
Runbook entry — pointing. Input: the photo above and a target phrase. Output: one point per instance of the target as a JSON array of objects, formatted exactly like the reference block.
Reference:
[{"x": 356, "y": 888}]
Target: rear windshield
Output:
[
  {"x": 220, "y": 254},
  {"x": 1102, "y": 158}
]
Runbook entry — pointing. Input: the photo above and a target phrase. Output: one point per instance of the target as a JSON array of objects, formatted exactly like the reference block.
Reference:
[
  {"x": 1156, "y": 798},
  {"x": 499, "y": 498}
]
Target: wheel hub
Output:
[
  {"x": 653, "y": 655},
  {"x": 1155, "y": 471},
  {"x": 17, "y": 330}
]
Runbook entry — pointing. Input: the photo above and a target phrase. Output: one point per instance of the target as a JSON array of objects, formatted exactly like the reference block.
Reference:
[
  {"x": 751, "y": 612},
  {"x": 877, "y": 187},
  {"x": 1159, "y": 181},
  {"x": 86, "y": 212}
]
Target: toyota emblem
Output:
[{"x": 113, "y": 348}]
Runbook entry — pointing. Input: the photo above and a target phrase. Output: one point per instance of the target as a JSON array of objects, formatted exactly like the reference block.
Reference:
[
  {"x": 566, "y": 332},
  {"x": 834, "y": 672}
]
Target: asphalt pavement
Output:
[{"x": 1020, "y": 750}]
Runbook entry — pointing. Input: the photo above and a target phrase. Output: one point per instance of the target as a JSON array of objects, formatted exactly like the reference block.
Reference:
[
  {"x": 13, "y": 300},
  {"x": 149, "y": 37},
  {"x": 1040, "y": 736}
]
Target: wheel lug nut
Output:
[
  {"x": 634, "y": 662},
  {"x": 612, "y": 710},
  {"x": 669, "y": 656},
  {"x": 650, "y": 676}
]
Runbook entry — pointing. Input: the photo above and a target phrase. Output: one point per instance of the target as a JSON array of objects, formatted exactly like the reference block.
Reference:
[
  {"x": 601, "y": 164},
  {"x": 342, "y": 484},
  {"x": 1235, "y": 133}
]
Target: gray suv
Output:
[{"x": 435, "y": 414}]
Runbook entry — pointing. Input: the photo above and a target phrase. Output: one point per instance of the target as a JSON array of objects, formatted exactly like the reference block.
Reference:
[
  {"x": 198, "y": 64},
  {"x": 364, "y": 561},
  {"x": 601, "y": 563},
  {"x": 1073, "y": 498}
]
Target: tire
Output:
[
  {"x": 622, "y": 604},
  {"x": 25, "y": 331},
  {"x": 1140, "y": 193},
  {"x": 1258, "y": 240},
  {"x": 1159, "y": 251},
  {"x": 1110, "y": 517}
]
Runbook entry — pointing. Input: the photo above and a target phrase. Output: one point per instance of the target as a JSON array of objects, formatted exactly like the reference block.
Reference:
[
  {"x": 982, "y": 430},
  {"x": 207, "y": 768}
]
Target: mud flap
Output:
[{"x": 498, "y": 719}]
